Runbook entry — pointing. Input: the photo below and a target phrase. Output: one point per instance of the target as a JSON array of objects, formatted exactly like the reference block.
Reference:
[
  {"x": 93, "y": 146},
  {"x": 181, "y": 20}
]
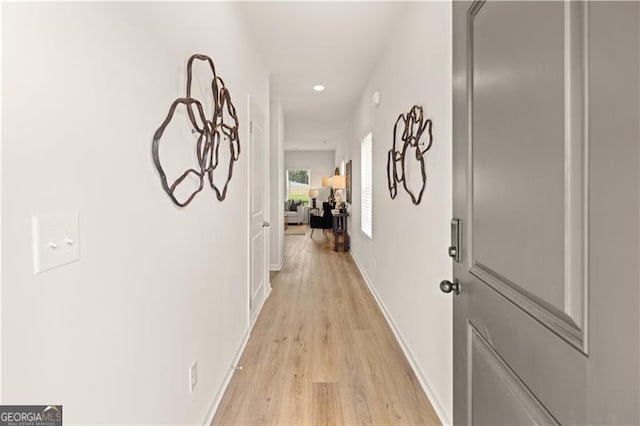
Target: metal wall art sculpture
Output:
[
  {"x": 412, "y": 126},
  {"x": 213, "y": 128}
]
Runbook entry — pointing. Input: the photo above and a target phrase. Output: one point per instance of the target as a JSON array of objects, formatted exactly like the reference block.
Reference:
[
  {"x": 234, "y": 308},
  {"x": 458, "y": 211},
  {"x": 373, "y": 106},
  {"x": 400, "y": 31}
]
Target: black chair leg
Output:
[{"x": 313, "y": 229}]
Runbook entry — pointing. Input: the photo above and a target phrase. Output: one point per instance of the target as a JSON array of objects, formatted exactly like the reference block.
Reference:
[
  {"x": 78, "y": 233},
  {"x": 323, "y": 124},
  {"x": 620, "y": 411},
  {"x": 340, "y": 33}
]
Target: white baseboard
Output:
[
  {"x": 264, "y": 299},
  {"x": 435, "y": 402},
  {"x": 277, "y": 268},
  {"x": 234, "y": 362}
]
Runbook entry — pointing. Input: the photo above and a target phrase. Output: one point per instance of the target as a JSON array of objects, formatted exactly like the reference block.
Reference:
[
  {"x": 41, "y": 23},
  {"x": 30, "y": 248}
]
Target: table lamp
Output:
[
  {"x": 339, "y": 183},
  {"x": 313, "y": 194}
]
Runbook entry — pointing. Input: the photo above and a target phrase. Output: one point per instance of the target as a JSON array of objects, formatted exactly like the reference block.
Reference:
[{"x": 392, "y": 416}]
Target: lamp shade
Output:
[
  {"x": 313, "y": 193},
  {"x": 339, "y": 182},
  {"x": 326, "y": 181}
]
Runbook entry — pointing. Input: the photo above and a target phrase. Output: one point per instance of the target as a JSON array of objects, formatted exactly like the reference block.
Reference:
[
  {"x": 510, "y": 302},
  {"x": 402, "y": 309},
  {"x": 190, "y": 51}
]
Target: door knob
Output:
[
  {"x": 265, "y": 224},
  {"x": 447, "y": 287}
]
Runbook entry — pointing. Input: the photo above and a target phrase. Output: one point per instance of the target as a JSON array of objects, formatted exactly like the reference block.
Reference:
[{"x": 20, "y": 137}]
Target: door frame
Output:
[
  {"x": 1, "y": 233},
  {"x": 266, "y": 288}
]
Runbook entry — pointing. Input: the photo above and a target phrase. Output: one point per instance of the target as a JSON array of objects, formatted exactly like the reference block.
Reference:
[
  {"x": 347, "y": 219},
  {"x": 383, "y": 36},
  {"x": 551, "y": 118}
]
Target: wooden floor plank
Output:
[
  {"x": 327, "y": 409},
  {"x": 321, "y": 352}
]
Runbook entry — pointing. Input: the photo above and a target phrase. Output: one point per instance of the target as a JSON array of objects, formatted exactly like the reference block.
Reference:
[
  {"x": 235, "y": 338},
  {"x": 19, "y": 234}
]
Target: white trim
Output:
[
  {"x": 1, "y": 289},
  {"x": 264, "y": 299},
  {"x": 248, "y": 195},
  {"x": 227, "y": 379},
  {"x": 211, "y": 413},
  {"x": 277, "y": 267},
  {"x": 431, "y": 395}
]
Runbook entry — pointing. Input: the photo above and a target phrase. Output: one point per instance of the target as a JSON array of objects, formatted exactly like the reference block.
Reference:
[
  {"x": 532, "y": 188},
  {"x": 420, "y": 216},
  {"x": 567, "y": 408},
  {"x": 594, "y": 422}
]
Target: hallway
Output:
[
  {"x": 487, "y": 154},
  {"x": 321, "y": 352}
]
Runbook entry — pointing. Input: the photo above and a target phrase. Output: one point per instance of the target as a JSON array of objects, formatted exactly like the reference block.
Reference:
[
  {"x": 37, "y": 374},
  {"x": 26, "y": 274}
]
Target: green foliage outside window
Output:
[
  {"x": 298, "y": 185},
  {"x": 300, "y": 176}
]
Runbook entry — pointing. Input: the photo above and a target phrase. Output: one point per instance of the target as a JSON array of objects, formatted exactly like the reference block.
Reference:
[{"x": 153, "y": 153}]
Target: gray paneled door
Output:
[{"x": 547, "y": 188}]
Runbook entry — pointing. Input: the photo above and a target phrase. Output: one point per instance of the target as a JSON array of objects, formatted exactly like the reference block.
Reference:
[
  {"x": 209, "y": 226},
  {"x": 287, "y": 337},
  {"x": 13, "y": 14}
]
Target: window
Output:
[
  {"x": 365, "y": 186},
  {"x": 298, "y": 185}
]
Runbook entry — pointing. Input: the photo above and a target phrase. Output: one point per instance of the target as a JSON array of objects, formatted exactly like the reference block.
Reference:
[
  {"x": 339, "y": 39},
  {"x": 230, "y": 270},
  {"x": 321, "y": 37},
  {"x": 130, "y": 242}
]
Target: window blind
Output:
[{"x": 365, "y": 185}]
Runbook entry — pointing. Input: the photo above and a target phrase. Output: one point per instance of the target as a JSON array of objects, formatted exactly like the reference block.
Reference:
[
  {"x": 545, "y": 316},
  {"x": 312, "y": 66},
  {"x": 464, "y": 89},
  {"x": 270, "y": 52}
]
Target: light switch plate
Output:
[{"x": 56, "y": 240}]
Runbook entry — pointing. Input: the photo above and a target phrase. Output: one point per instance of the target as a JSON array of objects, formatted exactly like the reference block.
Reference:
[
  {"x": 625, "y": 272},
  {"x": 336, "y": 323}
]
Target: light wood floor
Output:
[{"x": 321, "y": 352}]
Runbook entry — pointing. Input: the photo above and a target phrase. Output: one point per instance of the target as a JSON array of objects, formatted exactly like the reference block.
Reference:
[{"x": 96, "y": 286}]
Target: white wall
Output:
[
  {"x": 321, "y": 164},
  {"x": 316, "y": 134},
  {"x": 407, "y": 257},
  {"x": 112, "y": 337},
  {"x": 276, "y": 193}
]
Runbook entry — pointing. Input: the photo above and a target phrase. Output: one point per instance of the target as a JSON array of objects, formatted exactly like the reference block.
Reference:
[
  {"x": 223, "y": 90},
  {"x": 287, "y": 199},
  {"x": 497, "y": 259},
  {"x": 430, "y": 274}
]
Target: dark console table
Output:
[{"x": 340, "y": 233}]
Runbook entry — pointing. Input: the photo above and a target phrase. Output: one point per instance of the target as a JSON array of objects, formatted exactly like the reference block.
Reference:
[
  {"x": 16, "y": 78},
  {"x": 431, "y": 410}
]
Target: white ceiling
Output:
[{"x": 331, "y": 43}]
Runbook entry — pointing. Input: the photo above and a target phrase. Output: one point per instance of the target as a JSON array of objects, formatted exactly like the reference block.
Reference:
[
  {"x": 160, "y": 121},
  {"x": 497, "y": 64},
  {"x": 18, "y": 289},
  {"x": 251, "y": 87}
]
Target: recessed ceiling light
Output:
[{"x": 318, "y": 87}]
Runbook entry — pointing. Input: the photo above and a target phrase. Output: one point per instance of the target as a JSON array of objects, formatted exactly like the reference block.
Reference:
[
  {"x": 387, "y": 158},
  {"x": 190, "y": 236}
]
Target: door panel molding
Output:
[
  {"x": 258, "y": 154},
  {"x": 569, "y": 322},
  {"x": 576, "y": 165},
  {"x": 482, "y": 354},
  {"x": 558, "y": 322},
  {"x": 257, "y": 256}
]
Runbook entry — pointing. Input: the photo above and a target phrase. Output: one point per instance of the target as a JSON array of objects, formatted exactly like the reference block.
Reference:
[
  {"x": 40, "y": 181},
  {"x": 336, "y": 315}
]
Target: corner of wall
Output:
[{"x": 276, "y": 185}]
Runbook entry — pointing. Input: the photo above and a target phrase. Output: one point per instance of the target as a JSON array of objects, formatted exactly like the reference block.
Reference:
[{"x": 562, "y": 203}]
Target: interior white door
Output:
[
  {"x": 547, "y": 188},
  {"x": 258, "y": 204}
]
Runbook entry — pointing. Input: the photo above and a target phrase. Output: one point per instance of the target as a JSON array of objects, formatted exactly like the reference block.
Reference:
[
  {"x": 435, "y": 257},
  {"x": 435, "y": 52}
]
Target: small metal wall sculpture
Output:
[
  {"x": 414, "y": 126},
  {"x": 222, "y": 124}
]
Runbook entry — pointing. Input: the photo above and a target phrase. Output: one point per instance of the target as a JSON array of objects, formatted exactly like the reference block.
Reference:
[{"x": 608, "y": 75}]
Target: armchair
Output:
[{"x": 323, "y": 222}]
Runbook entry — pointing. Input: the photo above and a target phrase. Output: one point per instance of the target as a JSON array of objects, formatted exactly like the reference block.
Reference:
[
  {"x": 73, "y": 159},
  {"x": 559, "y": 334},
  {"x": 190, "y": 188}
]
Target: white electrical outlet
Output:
[{"x": 193, "y": 376}]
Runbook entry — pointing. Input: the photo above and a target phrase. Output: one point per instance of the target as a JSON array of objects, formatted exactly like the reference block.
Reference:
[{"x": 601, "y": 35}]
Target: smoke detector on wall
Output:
[{"x": 375, "y": 98}]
